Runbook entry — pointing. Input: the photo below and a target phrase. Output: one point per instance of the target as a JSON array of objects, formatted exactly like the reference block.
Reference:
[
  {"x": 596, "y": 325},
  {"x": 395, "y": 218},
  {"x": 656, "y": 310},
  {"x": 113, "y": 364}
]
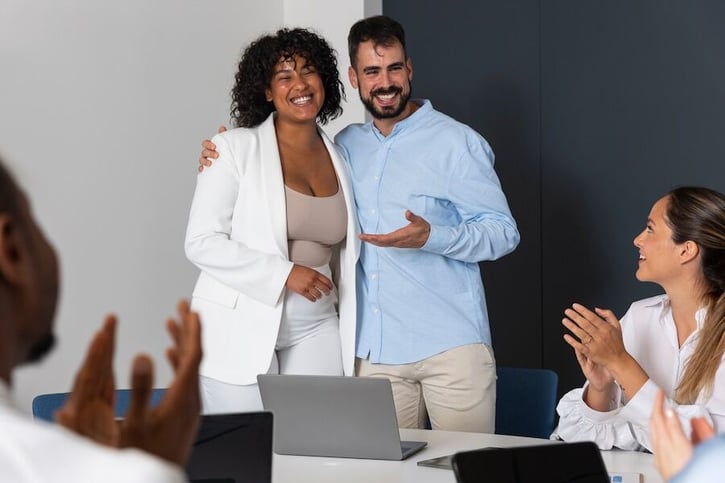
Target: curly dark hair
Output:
[{"x": 249, "y": 105}]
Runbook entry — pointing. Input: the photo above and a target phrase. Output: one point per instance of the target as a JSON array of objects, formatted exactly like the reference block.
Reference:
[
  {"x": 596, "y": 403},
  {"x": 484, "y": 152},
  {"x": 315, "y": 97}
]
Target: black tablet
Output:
[
  {"x": 232, "y": 448},
  {"x": 549, "y": 463}
]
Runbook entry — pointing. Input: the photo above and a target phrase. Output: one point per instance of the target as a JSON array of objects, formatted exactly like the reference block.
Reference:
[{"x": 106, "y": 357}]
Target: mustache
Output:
[{"x": 387, "y": 90}]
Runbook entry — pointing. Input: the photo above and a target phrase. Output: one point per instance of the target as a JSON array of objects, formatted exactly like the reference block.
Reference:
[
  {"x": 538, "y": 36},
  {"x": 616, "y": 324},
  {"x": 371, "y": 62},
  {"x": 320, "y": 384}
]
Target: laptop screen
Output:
[{"x": 232, "y": 448}]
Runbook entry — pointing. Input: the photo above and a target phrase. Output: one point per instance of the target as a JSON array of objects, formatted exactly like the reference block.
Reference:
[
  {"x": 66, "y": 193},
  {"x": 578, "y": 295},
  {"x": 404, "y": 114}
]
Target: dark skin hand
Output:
[
  {"x": 208, "y": 151},
  {"x": 169, "y": 429},
  {"x": 305, "y": 281},
  {"x": 308, "y": 282},
  {"x": 89, "y": 409}
]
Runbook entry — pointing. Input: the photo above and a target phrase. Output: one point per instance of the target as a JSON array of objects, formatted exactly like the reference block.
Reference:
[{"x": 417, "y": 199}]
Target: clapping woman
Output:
[{"x": 674, "y": 341}]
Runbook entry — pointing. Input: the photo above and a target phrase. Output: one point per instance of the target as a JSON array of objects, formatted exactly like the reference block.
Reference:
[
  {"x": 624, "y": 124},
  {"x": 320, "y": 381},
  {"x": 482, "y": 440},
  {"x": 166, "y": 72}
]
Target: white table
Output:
[{"x": 302, "y": 469}]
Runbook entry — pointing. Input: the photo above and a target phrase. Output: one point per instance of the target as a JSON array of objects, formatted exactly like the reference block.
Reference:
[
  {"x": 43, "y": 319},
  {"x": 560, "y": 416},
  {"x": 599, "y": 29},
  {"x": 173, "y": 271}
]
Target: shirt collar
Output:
[
  {"x": 666, "y": 319},
  {"x": 424, "y": 106},
  {"x": 662, "y": 300},
  {"x": 700, "y": 317}
]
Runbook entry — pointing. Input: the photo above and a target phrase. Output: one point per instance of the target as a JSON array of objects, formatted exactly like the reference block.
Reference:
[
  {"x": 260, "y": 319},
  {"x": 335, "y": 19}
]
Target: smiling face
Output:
[
  {"x": 659, "y": 256},
  {"x": 296, "y": 90},
  {"x": 382, "y": 76}
]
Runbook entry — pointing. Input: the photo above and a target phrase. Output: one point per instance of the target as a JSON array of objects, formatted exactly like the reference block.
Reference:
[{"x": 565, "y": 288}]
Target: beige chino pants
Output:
[{"x": 456, "y": 389}]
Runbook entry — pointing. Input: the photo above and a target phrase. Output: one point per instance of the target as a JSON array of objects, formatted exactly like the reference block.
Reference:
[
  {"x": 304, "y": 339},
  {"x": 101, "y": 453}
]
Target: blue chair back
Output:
[
  {"x": 525, "y": 401},
  {"x": 45, "y": 405}
]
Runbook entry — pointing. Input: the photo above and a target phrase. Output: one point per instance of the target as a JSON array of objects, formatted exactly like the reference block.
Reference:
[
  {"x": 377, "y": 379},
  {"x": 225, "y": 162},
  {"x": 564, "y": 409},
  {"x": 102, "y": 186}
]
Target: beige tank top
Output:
[{"x": 314, "y": 225}]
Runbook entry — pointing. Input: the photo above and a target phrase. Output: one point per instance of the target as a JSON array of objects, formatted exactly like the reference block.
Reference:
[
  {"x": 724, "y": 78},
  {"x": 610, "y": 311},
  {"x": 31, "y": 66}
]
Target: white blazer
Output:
[{"x": 237, "y": 236}]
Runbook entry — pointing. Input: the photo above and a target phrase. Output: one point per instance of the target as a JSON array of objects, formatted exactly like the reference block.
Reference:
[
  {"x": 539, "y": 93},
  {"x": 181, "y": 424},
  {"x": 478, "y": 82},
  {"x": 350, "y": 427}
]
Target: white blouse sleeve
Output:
[
  {"x": 579, "y": 422},
  {"x": 626, "y": 424},
  {"x": 639, "y": 409}
]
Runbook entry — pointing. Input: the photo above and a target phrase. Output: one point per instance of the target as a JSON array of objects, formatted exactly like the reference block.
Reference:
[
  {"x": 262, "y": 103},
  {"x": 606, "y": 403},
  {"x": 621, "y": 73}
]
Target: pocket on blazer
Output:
[{"x": 210, "y": 289}]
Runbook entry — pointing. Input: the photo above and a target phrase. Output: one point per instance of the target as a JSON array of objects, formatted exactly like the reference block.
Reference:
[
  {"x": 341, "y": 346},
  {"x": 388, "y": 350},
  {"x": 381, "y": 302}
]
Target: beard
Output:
[
  {"x": 41, "y": 348},
  {"x": 388, "y": 112}
]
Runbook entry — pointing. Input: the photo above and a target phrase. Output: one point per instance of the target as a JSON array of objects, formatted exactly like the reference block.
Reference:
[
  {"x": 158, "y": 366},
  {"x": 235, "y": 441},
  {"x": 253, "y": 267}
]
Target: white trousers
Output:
[{"x": 308, "y": 343}]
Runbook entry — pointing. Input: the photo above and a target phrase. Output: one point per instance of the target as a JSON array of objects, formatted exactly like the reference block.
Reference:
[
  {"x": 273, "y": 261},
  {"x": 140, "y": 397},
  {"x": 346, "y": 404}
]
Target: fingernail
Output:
[{"x": 669, "y": 413}]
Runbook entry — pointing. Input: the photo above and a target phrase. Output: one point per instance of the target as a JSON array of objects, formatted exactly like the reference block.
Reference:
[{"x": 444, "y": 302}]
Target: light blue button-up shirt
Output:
[
  {"x": 415, "y": 303},
  {"x": 706, "y": 464}
]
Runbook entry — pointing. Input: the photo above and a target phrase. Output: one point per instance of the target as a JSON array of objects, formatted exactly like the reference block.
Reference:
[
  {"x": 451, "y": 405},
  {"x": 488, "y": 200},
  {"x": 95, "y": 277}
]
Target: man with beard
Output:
[
  {"x": 422, "y": 318},
  {"x": 106, "y": 451}
]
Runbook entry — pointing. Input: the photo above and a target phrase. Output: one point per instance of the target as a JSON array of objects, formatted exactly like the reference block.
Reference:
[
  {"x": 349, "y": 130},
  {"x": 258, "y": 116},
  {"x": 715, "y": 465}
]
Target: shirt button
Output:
[
  {"x": 376, "y": 310},
  {"x": 373, "y": 276},
  {"x": 372, "y": 211},
  {"x": 376, "y": 177}
]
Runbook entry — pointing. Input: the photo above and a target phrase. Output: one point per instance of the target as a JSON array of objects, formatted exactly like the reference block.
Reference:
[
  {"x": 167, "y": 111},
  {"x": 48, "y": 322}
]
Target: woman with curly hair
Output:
[
  {"x": 273, "y": 229},
  {"x": 674, "y": 342}
]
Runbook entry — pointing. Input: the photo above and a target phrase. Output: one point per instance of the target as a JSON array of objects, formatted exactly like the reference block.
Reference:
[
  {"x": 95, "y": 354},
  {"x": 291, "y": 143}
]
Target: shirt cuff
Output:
[
  {"x": 638, "y": 410},
  {"x": 599, "y": 417},
  {"x": 437, "y": 240}
]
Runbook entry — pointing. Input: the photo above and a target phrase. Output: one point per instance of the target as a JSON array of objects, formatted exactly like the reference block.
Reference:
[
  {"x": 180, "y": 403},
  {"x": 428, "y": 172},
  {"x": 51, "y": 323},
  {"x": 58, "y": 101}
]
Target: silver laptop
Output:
[{"x": 346, "y": 417}]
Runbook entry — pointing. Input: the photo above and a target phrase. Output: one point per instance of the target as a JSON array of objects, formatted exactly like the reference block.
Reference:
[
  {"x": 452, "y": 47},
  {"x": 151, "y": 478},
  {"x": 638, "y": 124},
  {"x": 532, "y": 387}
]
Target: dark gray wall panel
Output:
[{"x": 633, "y": 104}]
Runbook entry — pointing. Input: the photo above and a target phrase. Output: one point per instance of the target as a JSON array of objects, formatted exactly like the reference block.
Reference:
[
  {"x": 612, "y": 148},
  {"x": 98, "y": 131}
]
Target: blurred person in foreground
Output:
[
  {"x": 150, "y": 445},
  {"x": 679, "y": 459}
]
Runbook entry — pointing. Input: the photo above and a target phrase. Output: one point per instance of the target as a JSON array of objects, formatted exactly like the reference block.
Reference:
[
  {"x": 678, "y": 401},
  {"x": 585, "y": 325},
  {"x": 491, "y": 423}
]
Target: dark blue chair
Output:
[
  {"x": 45, "y": 405},
  {"x": 525, "y": 401}
]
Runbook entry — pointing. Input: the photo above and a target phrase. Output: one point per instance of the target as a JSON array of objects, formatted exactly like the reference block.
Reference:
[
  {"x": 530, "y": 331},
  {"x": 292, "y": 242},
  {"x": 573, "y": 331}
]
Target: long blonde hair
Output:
[{"x": 698, "y": 214}]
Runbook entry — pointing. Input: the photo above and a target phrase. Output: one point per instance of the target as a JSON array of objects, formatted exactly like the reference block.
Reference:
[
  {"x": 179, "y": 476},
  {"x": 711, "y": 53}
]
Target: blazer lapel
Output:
[{"x": 273, "y": 184}]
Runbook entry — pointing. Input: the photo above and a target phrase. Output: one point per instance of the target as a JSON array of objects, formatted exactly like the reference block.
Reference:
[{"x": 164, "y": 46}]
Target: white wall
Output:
[{"x": 102, "y": 109}]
